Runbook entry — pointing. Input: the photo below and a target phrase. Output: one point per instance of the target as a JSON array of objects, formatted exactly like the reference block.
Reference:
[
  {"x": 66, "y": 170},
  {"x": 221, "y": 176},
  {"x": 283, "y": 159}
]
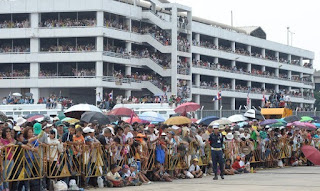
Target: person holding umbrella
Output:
[{"x": 216, "y": 143}]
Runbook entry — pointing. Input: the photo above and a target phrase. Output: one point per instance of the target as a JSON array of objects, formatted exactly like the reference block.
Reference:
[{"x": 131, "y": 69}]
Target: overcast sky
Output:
[{"x": 274, "y": 16}]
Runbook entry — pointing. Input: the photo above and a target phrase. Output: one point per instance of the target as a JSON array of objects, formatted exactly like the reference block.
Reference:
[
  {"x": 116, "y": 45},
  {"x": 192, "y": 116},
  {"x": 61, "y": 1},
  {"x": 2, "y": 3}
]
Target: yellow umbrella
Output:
[
  {"x": 70, "y": 120},
  {"x": 178, "y": 120}
]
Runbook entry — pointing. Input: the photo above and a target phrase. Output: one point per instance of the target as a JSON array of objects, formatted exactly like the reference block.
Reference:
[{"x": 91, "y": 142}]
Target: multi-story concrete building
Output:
[{"x": 81, "y": 48}]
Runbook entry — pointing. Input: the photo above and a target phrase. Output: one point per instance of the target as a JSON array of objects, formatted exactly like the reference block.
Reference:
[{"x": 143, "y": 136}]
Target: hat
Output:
[
  {"x": 125, "y": 166},
  {"x": 282, "y": 127},
  {"x": 229, "y": 136},
  {"x": 172, "y": 133},
  {"x": 196, "y": 159},
  {"x": 241, "y": 129},
  {"x": 88, "y": 130},
  {"x": 111, "y": 129},
  {"x": 215, "y": 126},
  {"x": 56, "y": 119},
  {"x": 48, "y": 125},
  {"x": 77, "y": 126},
  {"x": 21, "y": 121},
  {"x": 237, "y": 133},
  {"x": 222, "y": 127},
  {"x": 17, "y": 128},
  {"x": 255, "y": 120},
  {"x": 37, "y": 128},
  {"x": 163, "y": 134},
  {"x": 270, "y": 129},
  {"x": 267, "y": 127}
]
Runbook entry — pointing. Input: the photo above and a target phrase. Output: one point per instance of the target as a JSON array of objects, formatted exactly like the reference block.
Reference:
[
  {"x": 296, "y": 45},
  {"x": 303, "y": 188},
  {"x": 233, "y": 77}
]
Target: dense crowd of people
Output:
[
  {"x": 10, "y": 100},
  {"x": 15, "y": 24},
  {"x": 183, "y": 66},
  {"x": 14, "y": 49},
  {"x": 74, "y": 72},
  {"x": 69, "y": 48},
  {"x": 15, "y": 73},
  {"x": 68, "y": 22},
  {"x": 113, "y": 23},
  {"x": 53, "y": 100},
  {"x": 183, "y": 44},
  {"x": 123, "y": 154}
]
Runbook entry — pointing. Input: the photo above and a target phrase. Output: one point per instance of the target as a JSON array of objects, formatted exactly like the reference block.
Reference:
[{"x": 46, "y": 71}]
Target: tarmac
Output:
[{"x": 288, "y": 178}]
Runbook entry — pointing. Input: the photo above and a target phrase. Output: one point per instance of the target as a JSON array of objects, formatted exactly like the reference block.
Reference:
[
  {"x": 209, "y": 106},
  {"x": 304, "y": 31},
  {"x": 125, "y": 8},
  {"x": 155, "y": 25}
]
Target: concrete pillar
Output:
[
  {"x": 301, "y": 90},
  {"x": 216, "y": 80},
  {"x": 128, "y": 23},
  {"x": 128, "y": 71},
  {"x": 99, "y": 43},
  {"x": 99, "y": 69},
  {"x": 34, "y": 69},
  {"x": 197, "y": 98},
  {"x": 100, "y": 18},
  {"x": 197, "y": 37},
  {"x": 216, "y": 42},
  {"x": 128, "y": 47},
  {"x": 233, "y": 103},
  {"x": 36, "y": 94},
  {"x": 263, "y": 86},
  {"x": 216, "y": 60},
  {"x": 216, "y": 105},
  {"x": 233, "y": 63},
  {"x": 34, "y": 45},
  {"x": 249, "y": 83},
  {"x": 233, "y": 84},
  {"x": 197, "y": 57},
  {"x": 99, "y": 94},
  {"x": 34, "y": 20},
  {"x": 301, "y": 105},
  {"x": 197, "y": 80},
  {"x": 189, "y": 17},
  {"x": 276, "y": 88},
  {"x": 174, "y": 55},
  {"x": 277, "y": 56},
  {"x": 233, "y": 46},
  {"x": 128, "y": 93},
  {"x": 263, "y": 68},
  {"x": 311, "y": 62},
  {"x": 277, "y": 72},
  {"x": 289, "y": 58},
  {"x": 289, "y": 74},
  {"x": 249, "y": 48},
  {"x": 249, "y": 67},
  {"x": 301, "y": 61},
  {"x": 263, "y": 52}
]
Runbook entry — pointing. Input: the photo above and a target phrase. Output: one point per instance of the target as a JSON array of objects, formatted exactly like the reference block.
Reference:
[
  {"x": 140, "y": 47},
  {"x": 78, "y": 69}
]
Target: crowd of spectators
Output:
[
  {"x": 68, "y": 22},
  {"x": 182, "y": 22},
  {"x": 15, "y": 73},
  {"x": 112, "y": 23},
  {"x": 53, "y": 100},
  {"x": 14, "y": 49},
  {"x": 183, "y": 90},
  {"x": 160, "y": 35},
  {"x": 74, "y": 72},
  {"x": 69, "y": 48},
  {"x": 11, "y": 100},
  {"x": 183, "y": 66},
  {"x": 183, "y": 44},
  {"x": 15, "y": 24}
]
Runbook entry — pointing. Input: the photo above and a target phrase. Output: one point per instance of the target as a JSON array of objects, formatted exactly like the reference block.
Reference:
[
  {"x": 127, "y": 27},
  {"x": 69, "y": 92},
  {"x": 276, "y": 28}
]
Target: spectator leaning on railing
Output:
[{"x": 15, "y": 24}]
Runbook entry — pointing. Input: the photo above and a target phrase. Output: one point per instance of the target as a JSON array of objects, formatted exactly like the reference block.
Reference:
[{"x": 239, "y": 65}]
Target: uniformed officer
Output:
[{"x": 216, "y": 143}]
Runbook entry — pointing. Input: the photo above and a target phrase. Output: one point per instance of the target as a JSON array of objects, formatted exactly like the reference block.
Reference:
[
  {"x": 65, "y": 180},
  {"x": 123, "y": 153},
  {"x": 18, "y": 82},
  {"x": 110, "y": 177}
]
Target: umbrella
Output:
[
  {"x": 207, "y": 120},
  {"x": 312, "y": 154},
  {"x": 278, "y": 124},
  {"x": 268, "y": 122},
  {"x": 17, "y": 94},
  {"x": 61, "y": 116},
  {"x": 34, "y": 117},
  {"x": 28, "y": 94},
  {"x": 178, "y": 120},
  {"x": 187, "y": 107},
  {"x": 122, "y": 112},
  {"x": 254, "y": 114},
  {"x": 221, "y": 122},
  {"x": 291, "y": 118},
  {"x": 317, "y": 124},
  {"x": 77, "y": 110},
  {"x": 91, "y": 116},
  {"x": 306, "y": 119},
  {"x": 32, "y": 114},
  {"x": 152, "y": 117},
  {"x": 237, "y": 118},
  {"x": 282, "y": 120},
  {"x": 194, "y": 120},
  {"x": 241, "y": 124},
  {"x": 316, "y": 119},
  {"x": 303, "y": 125},
  {"x": 3, "y": 116},
  {"x": 70, "y": 120},
  {"x": 135, "y": 119}
]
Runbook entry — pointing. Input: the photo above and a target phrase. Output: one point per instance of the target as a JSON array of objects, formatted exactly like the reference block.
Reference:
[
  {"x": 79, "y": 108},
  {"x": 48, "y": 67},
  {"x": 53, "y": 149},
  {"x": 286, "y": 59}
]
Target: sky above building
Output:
[{"x": 274, "y": 16}]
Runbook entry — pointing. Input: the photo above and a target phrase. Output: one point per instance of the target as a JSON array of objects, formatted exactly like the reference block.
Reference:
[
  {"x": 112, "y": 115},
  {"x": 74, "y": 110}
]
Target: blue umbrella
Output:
[
  {"x": 268, "y": 122},
  {"x": 152, "y": 117},
  {"x": 317, "y": 125},
  {"x": 207, "y": 120},
  {"x": 241, "y": 124}
]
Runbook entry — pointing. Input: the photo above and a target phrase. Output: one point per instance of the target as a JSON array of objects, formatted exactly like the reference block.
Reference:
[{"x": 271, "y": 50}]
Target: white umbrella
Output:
[
  {"x": 237, "y": 118},
  {"x": 77, "y": 110},
  {"x": 222, "y": 121},
  {"x": 17, "y": 94},
  {"x": 152, "y": 117},
  {"x": 254, "y": 114}
]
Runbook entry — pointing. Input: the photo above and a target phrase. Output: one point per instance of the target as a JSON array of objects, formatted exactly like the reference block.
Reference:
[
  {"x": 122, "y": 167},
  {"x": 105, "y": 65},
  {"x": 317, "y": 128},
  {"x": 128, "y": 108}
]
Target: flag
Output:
[
  {"x": 110, "y": 95},
  {"x": 248, "y": 98},
  {"x": 217, "y": 97}
]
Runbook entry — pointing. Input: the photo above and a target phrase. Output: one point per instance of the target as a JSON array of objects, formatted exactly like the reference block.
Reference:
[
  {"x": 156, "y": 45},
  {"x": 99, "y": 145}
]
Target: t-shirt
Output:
[
  {"x": 129, "y": 136},
  {"x": 67, "y": 137},
  {"x": 194, "y": 168},
  {"x": 77, "y": 140},
  {"x": 115, "y": 176},
  {"x": 88, "y": 139},
  {"x": 7, "y": 142},
  {"x": 153, "y": 137}
]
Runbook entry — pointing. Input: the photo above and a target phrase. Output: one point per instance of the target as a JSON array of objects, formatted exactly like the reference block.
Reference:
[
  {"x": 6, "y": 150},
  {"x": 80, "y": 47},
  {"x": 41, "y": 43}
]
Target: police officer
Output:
[{"x": 216, "y": 143}]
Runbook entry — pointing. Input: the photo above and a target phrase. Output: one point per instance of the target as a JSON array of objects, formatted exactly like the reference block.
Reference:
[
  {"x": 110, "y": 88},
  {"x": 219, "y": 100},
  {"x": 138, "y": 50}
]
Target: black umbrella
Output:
[
  {"x": 91, "y": 116},
  {"x": 292, "y": 118}
]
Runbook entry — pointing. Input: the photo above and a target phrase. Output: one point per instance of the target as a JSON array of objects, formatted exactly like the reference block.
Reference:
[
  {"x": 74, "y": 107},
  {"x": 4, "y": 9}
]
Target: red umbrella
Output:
[
  {"x": 312, "y": 154},
  {"x": 187, "y": 107},
  {"x": 30, "y": 119},
  {"x": 135, "y": 119},
  {"x": 194, "y": 120},
  {"x": 122, "y": 112}
]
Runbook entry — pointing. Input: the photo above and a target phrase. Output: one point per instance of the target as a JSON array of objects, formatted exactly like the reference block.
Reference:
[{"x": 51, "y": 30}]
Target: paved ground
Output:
[{"x": 297, "y": 178}]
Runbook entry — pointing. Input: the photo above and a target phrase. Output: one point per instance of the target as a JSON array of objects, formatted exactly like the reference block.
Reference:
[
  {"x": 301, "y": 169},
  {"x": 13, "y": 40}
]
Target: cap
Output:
[
  {"x": 37, "y": 128},
  {"x": 270, "y": 129},
  {"x": 88, "y": 130},
  {"x": 21, "y": 121},
  {"x": 17, "y": 128},
  {"x": 56, "y": 119},
  {"x": 282, "y": 127},
  {"x": 229, "y": 136},
  {"x": 77, "y": 126},
  {"x": 47, "y": 126},
  {"x": 196, "y": 159},
  {"x": 267, "y": 127},
  {"x": 125, "y": 166},
  {"x": 163, "y": 134},
  {"x": 254, "y": 120}
]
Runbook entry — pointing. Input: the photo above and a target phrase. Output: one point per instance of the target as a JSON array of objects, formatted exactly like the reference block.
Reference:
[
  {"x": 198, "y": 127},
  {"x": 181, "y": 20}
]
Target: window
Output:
[{"x": 162, "y": 112}]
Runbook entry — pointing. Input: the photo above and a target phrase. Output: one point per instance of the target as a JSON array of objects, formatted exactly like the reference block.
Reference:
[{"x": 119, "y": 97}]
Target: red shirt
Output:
[{"x": 236, "y": 165}]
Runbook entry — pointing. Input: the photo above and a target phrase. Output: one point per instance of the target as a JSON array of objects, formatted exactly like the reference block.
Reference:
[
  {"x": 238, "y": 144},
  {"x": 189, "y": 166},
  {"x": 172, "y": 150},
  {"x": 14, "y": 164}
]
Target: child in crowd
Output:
[
  {"x": 160, "y": 174},
  {"x": 131, "y": 178},
  {"x": 228, "y": 170},
  {"x": 239, "y": 166},
  {"x": 195, "y": 170},
  {"x": 113, "y": 177}
]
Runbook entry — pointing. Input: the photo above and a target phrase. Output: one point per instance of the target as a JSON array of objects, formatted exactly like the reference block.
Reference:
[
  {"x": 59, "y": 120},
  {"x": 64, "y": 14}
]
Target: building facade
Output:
[{"x": 86, "y": 49}]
